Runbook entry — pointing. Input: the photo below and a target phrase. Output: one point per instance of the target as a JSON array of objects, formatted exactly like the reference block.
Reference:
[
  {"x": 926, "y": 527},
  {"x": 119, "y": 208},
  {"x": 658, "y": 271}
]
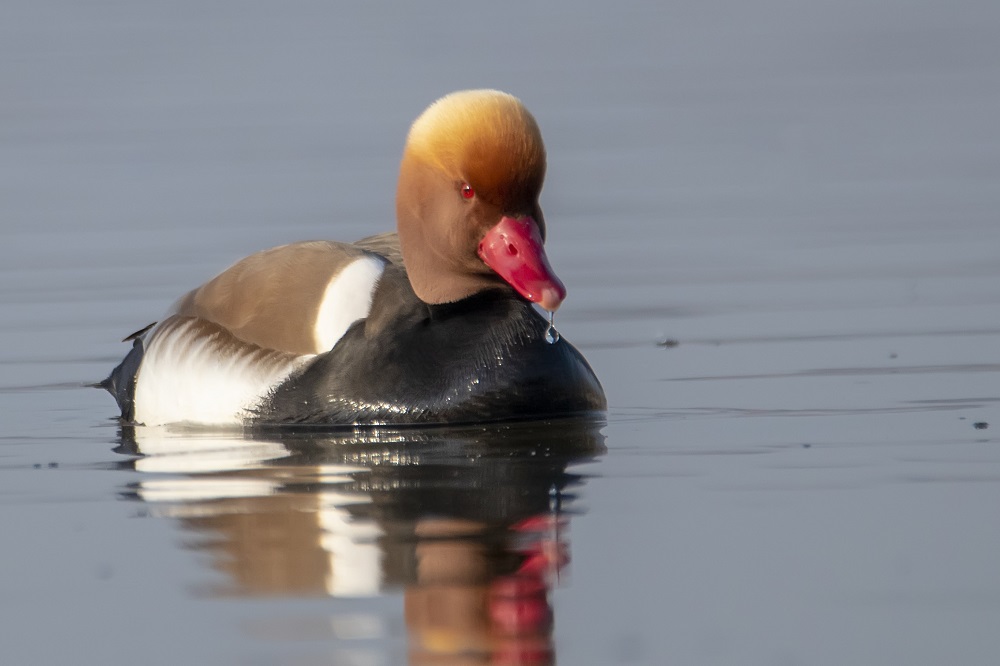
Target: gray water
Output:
[{"x": 778, "y": 223}]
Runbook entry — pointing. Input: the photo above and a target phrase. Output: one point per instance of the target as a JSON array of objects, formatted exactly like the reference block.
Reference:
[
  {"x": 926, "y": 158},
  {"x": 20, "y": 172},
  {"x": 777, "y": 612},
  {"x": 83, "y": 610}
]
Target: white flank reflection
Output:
[
  {"x": 203, "y": 489},
  {"x": 355, "y": 558},
  {"x": 175, "y": 451},
  {"x": 226, "y": 479}
]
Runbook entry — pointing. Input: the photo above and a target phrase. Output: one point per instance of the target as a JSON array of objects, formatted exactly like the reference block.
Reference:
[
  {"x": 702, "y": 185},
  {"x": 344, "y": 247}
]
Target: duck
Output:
[{"x": 437, "y": 323}]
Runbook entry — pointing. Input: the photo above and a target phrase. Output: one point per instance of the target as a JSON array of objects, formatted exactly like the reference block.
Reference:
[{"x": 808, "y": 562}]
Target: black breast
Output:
[{"x": 481, "y": 359}]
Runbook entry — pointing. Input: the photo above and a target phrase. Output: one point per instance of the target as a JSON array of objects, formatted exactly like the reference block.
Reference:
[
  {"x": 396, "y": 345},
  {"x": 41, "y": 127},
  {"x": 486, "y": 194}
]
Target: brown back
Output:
[{"x": 272, "y": 298}]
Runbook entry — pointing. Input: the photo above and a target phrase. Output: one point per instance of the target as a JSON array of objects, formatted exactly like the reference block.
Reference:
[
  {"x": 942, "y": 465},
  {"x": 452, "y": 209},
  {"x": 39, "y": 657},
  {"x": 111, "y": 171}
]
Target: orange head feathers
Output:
[{"x": 484, "y": 137}]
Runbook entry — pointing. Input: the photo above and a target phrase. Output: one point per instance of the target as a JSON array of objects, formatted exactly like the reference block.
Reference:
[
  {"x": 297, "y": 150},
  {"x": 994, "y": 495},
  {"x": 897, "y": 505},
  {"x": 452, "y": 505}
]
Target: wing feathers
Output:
[{"x": 274, "y": 298}]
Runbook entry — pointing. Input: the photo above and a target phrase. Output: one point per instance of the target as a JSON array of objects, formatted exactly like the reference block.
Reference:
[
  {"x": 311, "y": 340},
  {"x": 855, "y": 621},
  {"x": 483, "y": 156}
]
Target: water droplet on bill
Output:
[{"x": 551, "y": 334}]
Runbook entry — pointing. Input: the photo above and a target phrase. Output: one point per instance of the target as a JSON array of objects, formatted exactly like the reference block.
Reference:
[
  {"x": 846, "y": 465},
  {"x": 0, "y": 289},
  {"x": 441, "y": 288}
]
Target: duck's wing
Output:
[
  {"x": 297, "y": 298},
  {"x": 386, "y": 244}
]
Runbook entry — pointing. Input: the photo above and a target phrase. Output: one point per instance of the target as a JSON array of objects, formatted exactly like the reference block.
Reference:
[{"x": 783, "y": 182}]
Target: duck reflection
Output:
[{"x": 470, "y": 522}]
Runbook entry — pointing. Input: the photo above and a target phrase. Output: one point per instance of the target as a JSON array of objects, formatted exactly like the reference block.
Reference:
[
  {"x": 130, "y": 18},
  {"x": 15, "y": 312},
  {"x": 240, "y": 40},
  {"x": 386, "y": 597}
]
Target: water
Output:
[
  {"x": 551, "y": 334},
  {"x": 801, "y": 196}
]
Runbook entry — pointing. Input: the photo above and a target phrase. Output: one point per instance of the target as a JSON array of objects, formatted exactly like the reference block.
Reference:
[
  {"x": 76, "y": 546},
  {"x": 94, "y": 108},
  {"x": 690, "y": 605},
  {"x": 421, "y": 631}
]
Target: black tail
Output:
[{"x": 121, "y": 382}]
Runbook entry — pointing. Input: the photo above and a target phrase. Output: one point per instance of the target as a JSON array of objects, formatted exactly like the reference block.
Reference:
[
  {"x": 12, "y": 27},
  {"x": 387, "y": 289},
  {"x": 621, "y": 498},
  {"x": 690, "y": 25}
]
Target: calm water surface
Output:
[{"x": 779, "y": 229}]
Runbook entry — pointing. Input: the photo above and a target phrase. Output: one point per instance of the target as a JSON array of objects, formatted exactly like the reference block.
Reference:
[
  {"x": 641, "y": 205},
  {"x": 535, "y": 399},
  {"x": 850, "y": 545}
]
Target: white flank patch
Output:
[
  {"x": 190, "y": 378},
  {"x": 347, "y": 299}
]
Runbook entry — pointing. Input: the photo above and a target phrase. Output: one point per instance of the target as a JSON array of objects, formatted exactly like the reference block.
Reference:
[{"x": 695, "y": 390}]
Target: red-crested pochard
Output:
[{"x": 433, "y": 324}]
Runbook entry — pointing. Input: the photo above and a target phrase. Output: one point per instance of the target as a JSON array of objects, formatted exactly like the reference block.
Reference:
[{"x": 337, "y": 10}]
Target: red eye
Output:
[{"x": 467, "y": 191}]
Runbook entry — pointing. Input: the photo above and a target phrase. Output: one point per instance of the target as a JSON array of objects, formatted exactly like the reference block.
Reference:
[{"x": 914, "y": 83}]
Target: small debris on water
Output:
[{"x": 980, "y": 425}]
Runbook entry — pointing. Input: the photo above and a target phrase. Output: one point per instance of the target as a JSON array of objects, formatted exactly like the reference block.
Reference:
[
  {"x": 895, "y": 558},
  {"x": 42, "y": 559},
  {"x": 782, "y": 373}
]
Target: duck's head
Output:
[{"x": 467, "y": 204}]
